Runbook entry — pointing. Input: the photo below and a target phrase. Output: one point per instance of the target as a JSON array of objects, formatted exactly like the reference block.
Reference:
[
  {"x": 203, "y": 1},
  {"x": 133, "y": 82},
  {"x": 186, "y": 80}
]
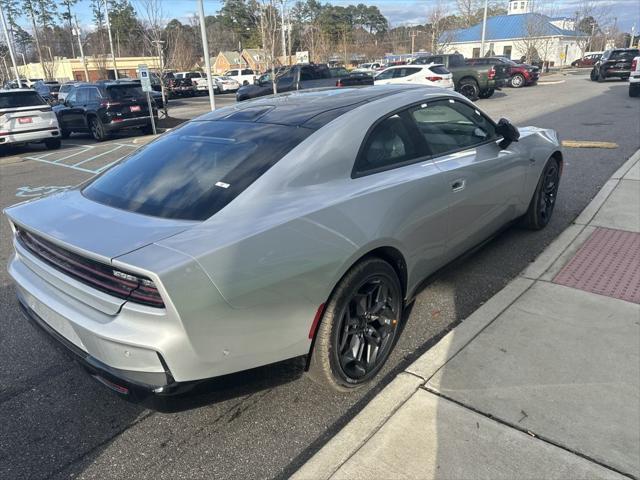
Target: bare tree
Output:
[
  {"x": 269, "y": 24},
  {"x": 467, "y": 10},
  {"x": 442, "y": 33}
]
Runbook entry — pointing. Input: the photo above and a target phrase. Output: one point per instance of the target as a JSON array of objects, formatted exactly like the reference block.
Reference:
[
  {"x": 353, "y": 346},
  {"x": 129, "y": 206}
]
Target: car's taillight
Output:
[
  {"x": 434, "y": 79},
  {"x": 634, "y": 64},
  {"x": 339, "y": 83},
  {"x": 492, "y": 73},
  {"x": 143, "y": 290}
]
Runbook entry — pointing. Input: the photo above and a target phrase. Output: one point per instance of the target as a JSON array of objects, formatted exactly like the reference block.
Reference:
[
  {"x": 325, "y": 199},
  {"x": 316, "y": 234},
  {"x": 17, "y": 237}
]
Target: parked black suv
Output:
[
  {"x": 614, "y": 63},
  {"x": 104, "y": 107}
]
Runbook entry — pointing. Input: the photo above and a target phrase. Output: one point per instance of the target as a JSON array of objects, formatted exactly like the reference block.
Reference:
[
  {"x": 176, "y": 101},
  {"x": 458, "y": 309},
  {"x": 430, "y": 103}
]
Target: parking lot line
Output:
[
  {"x": 80, "y": 169},
  {"x": 118, "y": 147},
  {"x": 72, "y": 155}
]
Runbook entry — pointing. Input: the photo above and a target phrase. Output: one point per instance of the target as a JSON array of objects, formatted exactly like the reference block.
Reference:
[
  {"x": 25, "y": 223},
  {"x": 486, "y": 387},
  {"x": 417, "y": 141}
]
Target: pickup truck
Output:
[
  {"x": 244, "y": 76},
  {"x": 198, "y": 79},
  {"x": 472, "y": 81},
  {"x": 298, "y": 77}
]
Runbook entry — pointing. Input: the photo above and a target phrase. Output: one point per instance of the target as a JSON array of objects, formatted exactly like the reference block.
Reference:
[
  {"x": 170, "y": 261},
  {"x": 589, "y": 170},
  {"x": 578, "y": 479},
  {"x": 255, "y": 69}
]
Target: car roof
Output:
[
  {"x": 15, "y": 90},
  {"x": 311, "y": 108}
]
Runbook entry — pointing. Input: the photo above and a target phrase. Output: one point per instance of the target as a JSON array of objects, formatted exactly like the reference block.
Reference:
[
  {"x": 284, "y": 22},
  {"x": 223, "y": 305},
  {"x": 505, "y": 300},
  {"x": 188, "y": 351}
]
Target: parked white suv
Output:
[
  {"x": 634, "y": 78},
  {"x": 432, "y": 74},
  {"x": 244, "y": 76},
  {"x": 25, "y": 117},
  {"x": 198, "y": 79}
]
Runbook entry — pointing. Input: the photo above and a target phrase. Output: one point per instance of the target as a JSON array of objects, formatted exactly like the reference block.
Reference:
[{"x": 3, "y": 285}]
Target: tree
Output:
[
  {"x": 125, "y": 26},
  {"x": 441, "y": 27},
  {"x": 269, "y": 23},
  {"x": 66, "y": 16}
]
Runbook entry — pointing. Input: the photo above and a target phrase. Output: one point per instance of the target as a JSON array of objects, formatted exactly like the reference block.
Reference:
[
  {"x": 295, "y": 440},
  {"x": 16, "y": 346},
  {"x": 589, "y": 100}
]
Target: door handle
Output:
[{"x": 458, "y": 185}]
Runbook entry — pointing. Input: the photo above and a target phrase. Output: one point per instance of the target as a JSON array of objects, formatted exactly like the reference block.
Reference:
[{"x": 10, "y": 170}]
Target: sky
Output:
[{"x": 399, "y": 12}]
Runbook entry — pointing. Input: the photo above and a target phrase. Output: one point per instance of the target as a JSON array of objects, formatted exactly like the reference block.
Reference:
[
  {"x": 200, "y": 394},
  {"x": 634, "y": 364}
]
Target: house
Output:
[
  {"x": 256, "y": 59},
  {"x": 226, "y": 61},
  {"x": 520, "y": 33}
]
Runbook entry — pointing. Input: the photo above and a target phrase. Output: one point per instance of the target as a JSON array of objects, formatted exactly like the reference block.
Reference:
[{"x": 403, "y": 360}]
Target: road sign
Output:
[{"x": 145, "y": 80}]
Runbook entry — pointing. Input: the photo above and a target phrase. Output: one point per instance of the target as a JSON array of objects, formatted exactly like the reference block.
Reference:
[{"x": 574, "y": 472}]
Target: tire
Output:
[
  {"x": 518, "y": 81},
  {"x": 147, "y": 130},
  {"x": 544, "y": 198},
  {"x": 53, "y": 143},
  {"x": 65, "y": 133},
  {"x": 634, "y": 90},
  {"x": 593, "y": 75},
  {"x": 97, "y": 129},
  {"x": 469, "y": 88},
  {"x": 344, "y": 361},
  {"x": 601, "y": 77},
  {"x": 487, "y": 93}
]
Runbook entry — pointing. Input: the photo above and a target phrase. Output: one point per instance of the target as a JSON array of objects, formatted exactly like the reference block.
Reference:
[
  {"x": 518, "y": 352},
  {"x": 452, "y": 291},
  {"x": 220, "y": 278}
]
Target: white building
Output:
[{"x": 512, "y": 35}]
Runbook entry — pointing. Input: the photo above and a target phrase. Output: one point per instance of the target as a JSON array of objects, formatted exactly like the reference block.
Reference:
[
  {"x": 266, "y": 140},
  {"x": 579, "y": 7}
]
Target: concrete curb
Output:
[{"x": 360, "y": 429}]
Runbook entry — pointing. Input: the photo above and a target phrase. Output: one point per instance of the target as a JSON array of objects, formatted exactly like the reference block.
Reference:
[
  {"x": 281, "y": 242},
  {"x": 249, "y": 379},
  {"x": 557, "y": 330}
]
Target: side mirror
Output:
[{"x": 508, "y": 132}]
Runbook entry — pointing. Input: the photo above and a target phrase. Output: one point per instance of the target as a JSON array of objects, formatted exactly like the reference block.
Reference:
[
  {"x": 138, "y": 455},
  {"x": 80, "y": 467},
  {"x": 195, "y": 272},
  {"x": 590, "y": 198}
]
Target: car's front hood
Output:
[{"x": 90, "y": 228}]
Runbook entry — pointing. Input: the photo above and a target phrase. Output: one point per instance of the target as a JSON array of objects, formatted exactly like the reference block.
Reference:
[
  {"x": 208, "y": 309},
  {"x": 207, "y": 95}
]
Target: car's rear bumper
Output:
[
  {"x": 123, "y": 124},
  {"x": 634, "y": 78},
  {"x": 35, "y": 135},
  {"x": 611, "y": 73}
]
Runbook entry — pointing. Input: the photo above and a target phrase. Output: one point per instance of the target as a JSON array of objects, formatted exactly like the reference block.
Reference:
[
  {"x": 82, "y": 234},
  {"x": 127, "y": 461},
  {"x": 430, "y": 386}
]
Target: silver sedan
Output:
[{"x": 294, "y": 225}]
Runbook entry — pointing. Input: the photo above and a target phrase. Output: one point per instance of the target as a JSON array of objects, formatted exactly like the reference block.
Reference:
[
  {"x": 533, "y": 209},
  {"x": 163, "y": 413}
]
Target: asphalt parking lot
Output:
[{"x": 60, "y": 423}]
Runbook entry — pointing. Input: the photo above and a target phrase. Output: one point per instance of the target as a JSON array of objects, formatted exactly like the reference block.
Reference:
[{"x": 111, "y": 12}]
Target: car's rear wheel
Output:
[
  {"x": 97, "y": 129},
  {"x": 487, "y": 93},
  {"x": 544, "y": 198},
  {"x": 359, "y": 326},
  {"x": 601, "y": 77},
  {"x": 593, "y": 75},
  {"x": 517, "y": 80},
  {"x": 147, "y": 130},
  {"x": 634, "y": 89},
  {"x": 469, "y": 88},
  {"x": 53, "y": 143}
]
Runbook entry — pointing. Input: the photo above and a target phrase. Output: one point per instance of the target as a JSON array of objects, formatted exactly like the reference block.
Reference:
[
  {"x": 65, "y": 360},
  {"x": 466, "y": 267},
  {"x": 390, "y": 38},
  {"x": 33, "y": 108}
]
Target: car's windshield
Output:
[
  {"x": 20, "y": 99},
  {"x": 196, "y": 170},
  {"x": 624, "y": 54}
]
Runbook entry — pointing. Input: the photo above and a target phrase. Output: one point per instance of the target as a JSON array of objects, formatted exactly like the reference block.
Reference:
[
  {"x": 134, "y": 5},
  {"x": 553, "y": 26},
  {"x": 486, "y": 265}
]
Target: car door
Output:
[
  {"x": 484, "y": 181},
  {"x": 72, "y": 116},
  {"x": 405, "y": 187}
]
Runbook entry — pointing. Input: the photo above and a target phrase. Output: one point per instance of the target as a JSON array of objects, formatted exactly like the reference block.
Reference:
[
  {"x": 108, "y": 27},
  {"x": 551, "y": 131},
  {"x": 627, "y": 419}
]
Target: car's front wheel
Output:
[
  {"x": 359, "y": 326},
  {"x": 544, "y": 198},
  {"x": 517, "y": 80},
  {"x": 469, "y": 88},
  {"x": 593, "y": 75}
]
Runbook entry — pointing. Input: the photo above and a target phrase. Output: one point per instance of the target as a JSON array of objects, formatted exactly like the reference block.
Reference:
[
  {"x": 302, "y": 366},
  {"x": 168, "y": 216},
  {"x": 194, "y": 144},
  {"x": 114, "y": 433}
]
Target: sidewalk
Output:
[{"x": 541, "y": 382}]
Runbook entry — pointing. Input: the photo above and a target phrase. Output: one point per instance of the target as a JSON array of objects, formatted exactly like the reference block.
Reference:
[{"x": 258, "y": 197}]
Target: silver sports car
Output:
[{"x": 299, "y": 224}]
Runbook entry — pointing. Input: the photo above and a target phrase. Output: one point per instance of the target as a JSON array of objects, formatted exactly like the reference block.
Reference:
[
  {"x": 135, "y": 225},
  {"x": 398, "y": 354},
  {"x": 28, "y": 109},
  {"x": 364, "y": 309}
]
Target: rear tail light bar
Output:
[
  {"x": 339, "y": 83},
  {"x": 434, "y": 79},
  {"x": 109, "y": 103},
  {"x": 634, "y": 64},
  {"x": 116, "y": 282},
  {"x": 492, "y": 73}
]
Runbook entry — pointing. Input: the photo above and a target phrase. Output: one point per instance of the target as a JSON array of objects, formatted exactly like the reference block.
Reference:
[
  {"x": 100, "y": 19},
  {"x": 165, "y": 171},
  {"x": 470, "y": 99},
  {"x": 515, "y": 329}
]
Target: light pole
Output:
[
  {"x": 27, "y": 72},
  {"x": 158, "y": 44},
  {"x": 207, "y": 60},
  {"x": 284, "y": 34},
  {"x": 10, "y": 46},
  {"x": 113, "y": 55},
  {"x": 414, "y": 34},
  {"x": 484, "y": 27},
  {"x": 84, "y": 61}
]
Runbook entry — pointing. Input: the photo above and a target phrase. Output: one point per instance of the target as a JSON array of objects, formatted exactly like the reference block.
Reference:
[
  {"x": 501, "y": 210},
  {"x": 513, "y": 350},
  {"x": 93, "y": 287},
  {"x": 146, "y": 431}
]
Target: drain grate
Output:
[{"x": 608, "y": 263}]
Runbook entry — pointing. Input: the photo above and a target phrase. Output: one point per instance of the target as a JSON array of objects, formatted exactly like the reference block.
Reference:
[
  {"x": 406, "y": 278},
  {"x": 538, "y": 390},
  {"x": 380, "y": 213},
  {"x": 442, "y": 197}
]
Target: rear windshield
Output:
[
  {"x": 439, "y": 69},
  {"x": 624, "y": 54},
  {"x": 122, "y": 92},
  {"x": 194, "y": 171},
  {"x": 20, "y": 99}
]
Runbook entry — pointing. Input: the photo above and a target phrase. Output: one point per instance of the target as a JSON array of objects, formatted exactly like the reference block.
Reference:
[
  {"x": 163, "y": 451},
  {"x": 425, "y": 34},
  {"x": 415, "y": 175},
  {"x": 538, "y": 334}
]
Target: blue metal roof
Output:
[{"x": 506, "y": 27}]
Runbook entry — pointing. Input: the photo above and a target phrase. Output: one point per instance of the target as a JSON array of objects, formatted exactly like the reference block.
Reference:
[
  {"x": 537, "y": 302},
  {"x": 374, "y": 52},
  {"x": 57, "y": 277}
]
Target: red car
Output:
[
  {"x": 520, "y": 74},
  {"x": 587, "y": 61}
]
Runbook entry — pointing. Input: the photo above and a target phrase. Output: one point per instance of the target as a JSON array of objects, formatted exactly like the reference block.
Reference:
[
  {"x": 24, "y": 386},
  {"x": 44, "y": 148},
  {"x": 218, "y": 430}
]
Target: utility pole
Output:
[
  {"x": 284, "y": 34},
  {"x": 113, "y": 55},
  {"x": 84, "y": 61},
  {"x": 10, "y": 46},
  {"x": 207, "y": 60},
  {"x": 158, "y": 44},
  {"x": 484, "y": 27}
]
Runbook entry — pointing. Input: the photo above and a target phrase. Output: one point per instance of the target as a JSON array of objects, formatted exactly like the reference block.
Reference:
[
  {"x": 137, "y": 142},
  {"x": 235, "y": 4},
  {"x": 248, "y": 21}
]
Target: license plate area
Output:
[
  {"x": 23, "y": 120},
  {"x": 135, "y": 108}
]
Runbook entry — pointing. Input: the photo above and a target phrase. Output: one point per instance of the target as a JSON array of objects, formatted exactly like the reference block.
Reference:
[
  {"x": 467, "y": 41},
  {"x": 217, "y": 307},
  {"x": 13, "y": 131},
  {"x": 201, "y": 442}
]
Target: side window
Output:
[
  {"x": 306, "y": 73},
  {"x": 405, "y": 72},
  {"x": 72, "y": 97},
  {"x": 449, "y": 125},
  {"x": 386, "y": 75},
  {"x": 83, "y": 96},
  {"x": 436, "y": 60},
  {"x": 388, "y": 144},
  {"x": 247, "y": 71},
  {"x": 93, "y": 95}
]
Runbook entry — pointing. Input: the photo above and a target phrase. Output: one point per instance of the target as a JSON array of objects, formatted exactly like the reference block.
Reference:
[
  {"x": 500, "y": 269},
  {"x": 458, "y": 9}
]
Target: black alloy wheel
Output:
[
  {"x": 544, "y": 198},
  {"x": 469, "y": 88},
  {"x": 359, "y": 327},
  {"x": 367, "y": 328},
  {"x": 97, "y": 129}
]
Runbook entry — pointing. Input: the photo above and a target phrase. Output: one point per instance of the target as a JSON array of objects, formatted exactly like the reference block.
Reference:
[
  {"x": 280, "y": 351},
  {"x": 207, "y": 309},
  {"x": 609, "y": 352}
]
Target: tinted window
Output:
[
  {"x": 307, "y": 73},
  {"x": 404, "y": 72},
  {"x": 93, "y": 94},
  {"x": 388, "y": 144},
  {"x": 194, "y": 75},
  {"x": 439, "y": 69},
  {"x": 83, "y": 95},
  {"x": 449, "y": 125},
  {"x": 20, "y": 99},
  {"x": 73, "y": 95},
  {"x": 387, "y": 74},
  {"x": 122, "y": 92},
  {"x": 195, "y": 170},
  {"x": 247, "y": 72},
  {"x": 233, "y": 73},
  {"x": 455, "y": 61},
  {"x": 625, "y": 55},
  {"x": 339, "y": 72}
]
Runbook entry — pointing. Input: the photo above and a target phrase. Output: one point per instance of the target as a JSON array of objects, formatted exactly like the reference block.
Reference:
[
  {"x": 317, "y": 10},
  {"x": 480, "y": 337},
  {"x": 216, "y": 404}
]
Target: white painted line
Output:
[
  {"x": 97, "y": 156},
  {"x": 104, "y": 167},
  {"x": 72, "y": 155},
  {"x": 60, "y": 164}
]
